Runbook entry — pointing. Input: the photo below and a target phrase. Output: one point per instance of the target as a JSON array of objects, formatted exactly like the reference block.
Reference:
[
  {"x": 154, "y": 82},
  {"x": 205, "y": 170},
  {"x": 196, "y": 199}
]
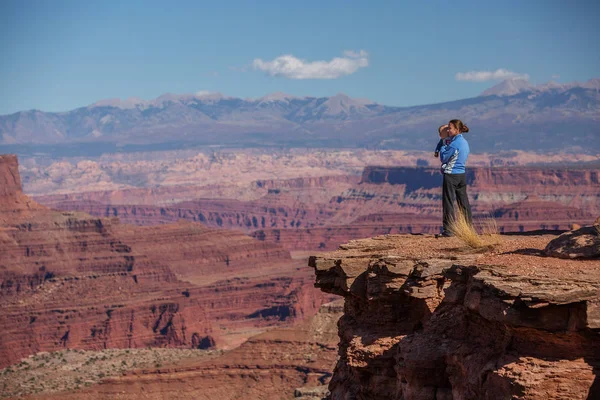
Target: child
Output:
[{"x": 444, "y": 139}]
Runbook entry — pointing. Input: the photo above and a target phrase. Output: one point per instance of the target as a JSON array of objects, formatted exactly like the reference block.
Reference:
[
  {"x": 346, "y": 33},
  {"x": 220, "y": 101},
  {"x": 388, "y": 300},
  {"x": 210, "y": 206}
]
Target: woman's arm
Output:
[{"x": 447, "y": 153}]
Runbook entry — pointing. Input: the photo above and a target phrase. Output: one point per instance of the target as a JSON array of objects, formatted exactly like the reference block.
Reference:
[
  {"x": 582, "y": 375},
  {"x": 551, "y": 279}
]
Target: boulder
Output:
[{"x": 580, "y": 243}]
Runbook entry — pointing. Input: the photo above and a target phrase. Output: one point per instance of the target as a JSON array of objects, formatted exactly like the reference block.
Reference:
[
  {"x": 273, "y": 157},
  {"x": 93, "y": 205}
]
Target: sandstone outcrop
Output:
[
  {"x": 425, "y": 319},
  {"x": 12, "y": 200},
  {"x": 10, "y": 180}
]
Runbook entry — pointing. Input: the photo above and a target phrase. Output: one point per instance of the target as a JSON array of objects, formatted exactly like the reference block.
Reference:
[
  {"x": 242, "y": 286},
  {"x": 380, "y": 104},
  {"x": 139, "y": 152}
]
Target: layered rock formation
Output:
[
  {"x": 69, "y": 280},
  {"x": 426, "y": 319},
  {"x": 493, "y": 188},
  {"x": 408, "y": 200},
  {"x": 10, "y": 180},
  {"x": 287, "y": 203},
  {"x": 167, "y": 177},
  {"x": 204, "y": 254},
  {"x": 318, "y": 213},
  {"x": 271, "y": 366},
  {"x": 13, "y": 203}
]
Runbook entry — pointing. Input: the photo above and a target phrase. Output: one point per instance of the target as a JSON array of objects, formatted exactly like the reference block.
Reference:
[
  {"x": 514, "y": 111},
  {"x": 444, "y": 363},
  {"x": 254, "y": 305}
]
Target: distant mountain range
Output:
[
  {"x": 515, "y": 86},
  {"x": 511, "y": 115}
]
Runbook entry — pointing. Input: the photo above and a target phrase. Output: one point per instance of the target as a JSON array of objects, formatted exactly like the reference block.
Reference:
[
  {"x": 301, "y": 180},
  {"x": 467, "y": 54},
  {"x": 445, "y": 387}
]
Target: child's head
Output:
[{"x": 443, "y": 131}]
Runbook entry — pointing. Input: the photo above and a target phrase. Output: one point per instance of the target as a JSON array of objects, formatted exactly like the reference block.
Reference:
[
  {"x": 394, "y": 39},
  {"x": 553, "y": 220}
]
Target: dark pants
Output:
[{"x": 455, "y": 185}]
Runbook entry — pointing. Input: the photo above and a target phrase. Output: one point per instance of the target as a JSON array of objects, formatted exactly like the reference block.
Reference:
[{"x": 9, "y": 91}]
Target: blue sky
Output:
[{"x": 59, "y": 55}]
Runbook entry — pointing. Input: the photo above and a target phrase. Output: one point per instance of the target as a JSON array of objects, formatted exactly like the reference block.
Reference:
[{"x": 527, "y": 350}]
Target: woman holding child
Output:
[{"x": 453, "y": 150}]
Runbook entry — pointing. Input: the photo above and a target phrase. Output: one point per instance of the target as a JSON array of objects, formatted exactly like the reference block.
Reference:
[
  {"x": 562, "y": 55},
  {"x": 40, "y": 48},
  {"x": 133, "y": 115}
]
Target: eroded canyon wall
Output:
[
  {"x": 424, "y": 319},
  {"x": 70, "y": 280},
  {"x": 321, "y": 213}
]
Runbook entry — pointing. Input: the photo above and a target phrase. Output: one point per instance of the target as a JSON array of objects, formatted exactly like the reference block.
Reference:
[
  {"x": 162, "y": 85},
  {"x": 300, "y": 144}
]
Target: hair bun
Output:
[{"x": 464, "y": 129}]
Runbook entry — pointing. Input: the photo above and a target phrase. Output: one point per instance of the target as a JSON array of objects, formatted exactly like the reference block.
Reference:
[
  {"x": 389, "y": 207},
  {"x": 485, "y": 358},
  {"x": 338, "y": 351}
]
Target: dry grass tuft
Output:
[
  {"x": 490, "y": 233},
  {"x": 464, "y": 231}
]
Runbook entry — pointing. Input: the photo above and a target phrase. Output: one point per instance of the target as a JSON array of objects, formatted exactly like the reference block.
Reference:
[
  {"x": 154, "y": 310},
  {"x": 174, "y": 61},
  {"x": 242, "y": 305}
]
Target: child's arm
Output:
[
  {"x": 438, "y": 147},
  {"x": 448, "y": 153}
]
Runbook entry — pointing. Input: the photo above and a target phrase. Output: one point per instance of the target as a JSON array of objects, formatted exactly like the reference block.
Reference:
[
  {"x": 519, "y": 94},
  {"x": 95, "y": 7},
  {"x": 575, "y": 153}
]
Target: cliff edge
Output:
[{"x": 426, "y": 319}]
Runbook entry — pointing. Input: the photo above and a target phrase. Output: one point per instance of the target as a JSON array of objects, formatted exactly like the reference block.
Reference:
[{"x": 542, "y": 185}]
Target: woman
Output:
[{"x": 454, "y": 159}]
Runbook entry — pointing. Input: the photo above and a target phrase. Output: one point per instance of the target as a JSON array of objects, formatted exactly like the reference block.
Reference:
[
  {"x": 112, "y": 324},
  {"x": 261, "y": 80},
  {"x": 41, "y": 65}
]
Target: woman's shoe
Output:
[{"x": 444, "y": 234}]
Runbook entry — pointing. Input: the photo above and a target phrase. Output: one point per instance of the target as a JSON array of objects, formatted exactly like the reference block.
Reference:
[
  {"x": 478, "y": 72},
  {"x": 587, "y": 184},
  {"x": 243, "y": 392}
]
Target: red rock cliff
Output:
[
  {"x": 425, "y": 320},
  {"x": 485, "y": 176},
  {"x": 10, "y": 181},
  {"x": 12, "y": 199}
]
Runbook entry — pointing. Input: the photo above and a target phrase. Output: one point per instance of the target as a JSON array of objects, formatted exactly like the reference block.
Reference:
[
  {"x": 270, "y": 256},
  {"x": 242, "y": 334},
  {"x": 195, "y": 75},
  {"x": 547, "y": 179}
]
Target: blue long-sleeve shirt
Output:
[
  {"x": 454, "y": 155},
  {"x": 441, "y": 143}
]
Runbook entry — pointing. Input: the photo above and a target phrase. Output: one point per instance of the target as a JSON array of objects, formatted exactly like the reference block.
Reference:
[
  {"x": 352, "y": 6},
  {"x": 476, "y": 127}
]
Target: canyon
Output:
[
  {"x": 283, "y": 363},
  {"x": 222, "y": 265},
  {"x": 319, "y": 213},
  {"x": 70, "y": 280},
  {"x": 165, "y": 177}
]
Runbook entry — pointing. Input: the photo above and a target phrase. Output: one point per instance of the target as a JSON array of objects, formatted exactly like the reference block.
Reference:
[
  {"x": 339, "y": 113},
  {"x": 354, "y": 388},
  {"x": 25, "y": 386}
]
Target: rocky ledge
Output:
[{"x": 426, "y": 319}]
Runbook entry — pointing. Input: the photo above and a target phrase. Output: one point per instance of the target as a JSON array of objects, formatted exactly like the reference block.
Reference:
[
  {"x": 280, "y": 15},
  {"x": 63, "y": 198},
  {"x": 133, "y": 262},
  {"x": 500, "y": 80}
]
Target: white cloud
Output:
[
  {"x": 484, "y": 76},
  {"x": 203, "y": 93},
  {"x": 555, "y": 76},
  {"x": 288, "y": 66}
]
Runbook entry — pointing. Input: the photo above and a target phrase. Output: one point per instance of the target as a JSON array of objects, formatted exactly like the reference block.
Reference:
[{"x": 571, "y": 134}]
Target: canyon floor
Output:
[{"x": 73, "y": 370}]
